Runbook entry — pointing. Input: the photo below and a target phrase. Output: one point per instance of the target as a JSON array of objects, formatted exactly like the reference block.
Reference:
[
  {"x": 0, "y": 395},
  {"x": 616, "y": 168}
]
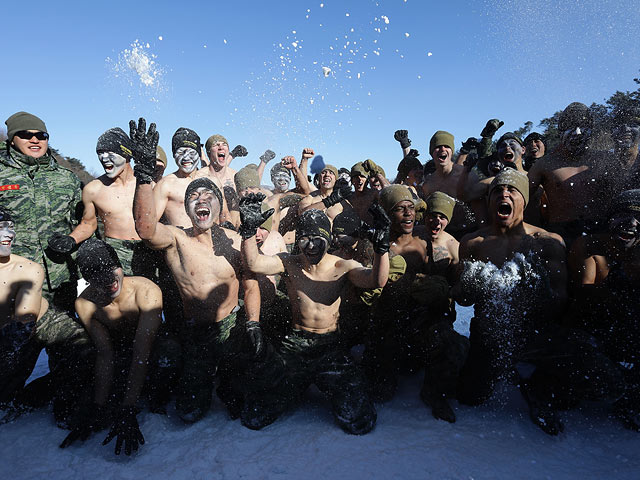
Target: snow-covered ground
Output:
[{"x": 496, "y": 440}]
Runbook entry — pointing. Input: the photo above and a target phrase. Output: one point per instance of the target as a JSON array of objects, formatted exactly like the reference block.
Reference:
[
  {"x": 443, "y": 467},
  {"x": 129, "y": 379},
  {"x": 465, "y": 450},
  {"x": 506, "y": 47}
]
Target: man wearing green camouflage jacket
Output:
[{"x": 43, "y": 198}]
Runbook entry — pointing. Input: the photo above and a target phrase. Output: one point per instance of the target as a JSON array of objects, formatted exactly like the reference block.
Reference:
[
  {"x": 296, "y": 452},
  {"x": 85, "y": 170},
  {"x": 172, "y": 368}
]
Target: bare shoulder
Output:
[
  {"x": 147, "y": 292},
  {"x": 27, "y": 268},
  {"x": 544, "y": 235},
  {"x": 94, "y": 186},
  {"x": 84, "y": 306}
]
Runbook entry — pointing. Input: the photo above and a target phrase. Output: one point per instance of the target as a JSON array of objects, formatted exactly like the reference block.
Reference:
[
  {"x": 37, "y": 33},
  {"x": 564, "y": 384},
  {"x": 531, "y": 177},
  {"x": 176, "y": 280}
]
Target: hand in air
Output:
[
  {"x": 402, "y": 136},
  {"x": 491, "y": 128},
  {"x": 251, "y": 214},
  {"x": 239, "y": 151},
  {"x": 267, "y": 156},
  {"x": 381, "y": 229},
  {"x": 145, "y": 144}
]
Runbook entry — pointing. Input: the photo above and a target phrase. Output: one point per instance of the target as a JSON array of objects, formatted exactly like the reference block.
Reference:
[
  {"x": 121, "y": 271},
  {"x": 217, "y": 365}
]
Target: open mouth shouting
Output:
[
  {"x": 504, "y": 210},
  {"x": 202, "y": 213}
]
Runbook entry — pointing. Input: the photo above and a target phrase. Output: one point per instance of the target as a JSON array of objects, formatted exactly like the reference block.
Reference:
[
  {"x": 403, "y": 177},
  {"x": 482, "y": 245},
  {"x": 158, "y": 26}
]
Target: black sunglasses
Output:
[{"x": 29, "y": 135}]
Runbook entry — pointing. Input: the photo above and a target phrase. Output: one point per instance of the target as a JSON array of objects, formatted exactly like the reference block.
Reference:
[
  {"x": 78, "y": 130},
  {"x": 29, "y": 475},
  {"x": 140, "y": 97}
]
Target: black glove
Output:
[
  {"x": 251, "y": 215},
  {"x": 381, "y": 228},
  {"x": 402, "y": 136},
  {"x": 491, "y": 128},
  {"x": 413, "y": 153},
  {"x": 62, "y": 243},
  {"x": 267, "y": 156},
  {"x": 239, "y": 151},
  {"x": 145, "y": 145},
  {"x": 125, "y": 430},
  {"x": 256, "y": 338},
  {"x": 471, "y": 144},
  {"x": 89, "y": 418},
  {"x": 341, "y": 190}
]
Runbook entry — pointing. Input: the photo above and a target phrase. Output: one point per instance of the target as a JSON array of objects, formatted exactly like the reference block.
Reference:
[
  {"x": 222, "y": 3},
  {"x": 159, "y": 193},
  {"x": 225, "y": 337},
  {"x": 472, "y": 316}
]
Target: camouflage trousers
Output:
[
  {"x": 204, "y": 349},
  {"x": 136, "y": 258},
  {"x": 71, "y": 359},
  {"x": 300, "y": 359},
  {"x": 409, "y": 341}
]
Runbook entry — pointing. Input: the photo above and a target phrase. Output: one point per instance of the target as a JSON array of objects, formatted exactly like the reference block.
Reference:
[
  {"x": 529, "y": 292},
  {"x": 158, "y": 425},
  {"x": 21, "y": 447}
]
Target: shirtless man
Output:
[
  {"x": 597, "y": 357},
  {"x": 515, "y": 275},
  {"x": 311, "y": 353},
  {"x": 510, "y": 151},
  {"x": 446, "y": 178},
  {"x": 110, "y": 197},
  {"x": 327, "y": 198},
  {"x": 574, "y": 178},
  {"x": 217, "y": 149},
  {"x": 122, "y": 316},
  {"x": 413, "y": 321},
  {"x": 168, "y": 193},
  {"x": 363, "y": 196},
  {"x": 535, "y": 150},
  {"x": 21, "y": 304},
  {"x": 205, "y": 262},
  {"x": 442, "y": 248}
]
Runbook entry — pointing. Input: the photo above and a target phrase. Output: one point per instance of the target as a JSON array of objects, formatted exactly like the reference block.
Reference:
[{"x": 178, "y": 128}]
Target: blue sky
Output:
[{"x": 252, "y": 70}]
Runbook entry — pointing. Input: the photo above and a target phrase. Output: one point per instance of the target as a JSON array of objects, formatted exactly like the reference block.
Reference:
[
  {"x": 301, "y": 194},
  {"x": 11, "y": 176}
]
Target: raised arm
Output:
[
  {"x": 265, "y": 158},
  {"x": 402, "y": 136},
  {"x": 376, "y": 276},
  {"x": 157, "y": 235},
  {"x": 251, "y": 218}
]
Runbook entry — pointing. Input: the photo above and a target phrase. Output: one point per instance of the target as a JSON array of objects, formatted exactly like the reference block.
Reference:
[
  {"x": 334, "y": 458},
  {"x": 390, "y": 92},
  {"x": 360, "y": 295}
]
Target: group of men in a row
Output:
[{"x": 205, "y": 277}]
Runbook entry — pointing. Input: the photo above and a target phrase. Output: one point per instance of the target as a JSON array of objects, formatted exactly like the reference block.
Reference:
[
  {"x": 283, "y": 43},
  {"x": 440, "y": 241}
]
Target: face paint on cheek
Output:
[
  {"x": 186, "y": 159},
  {"x": 112, "y": 163},
  {"x": 7, "y": 236}
]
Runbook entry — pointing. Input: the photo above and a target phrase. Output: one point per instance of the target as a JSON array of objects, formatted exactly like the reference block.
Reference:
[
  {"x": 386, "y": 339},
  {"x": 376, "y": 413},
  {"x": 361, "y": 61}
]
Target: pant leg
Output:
[
  {"x": 164, "y": 370},
  {"x": 195, "y": 385},
  {"x": 71, "y": 361},
  {"x": 446, "y": 353},
  {"x": 276, "y": 383},
  {"x": 480, "y": 371},
  {"x": 343, "y": 382}
]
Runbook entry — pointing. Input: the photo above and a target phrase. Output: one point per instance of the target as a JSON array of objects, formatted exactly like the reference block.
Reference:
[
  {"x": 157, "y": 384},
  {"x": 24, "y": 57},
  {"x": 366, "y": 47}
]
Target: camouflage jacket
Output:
[{"x": 44, "y": 198}]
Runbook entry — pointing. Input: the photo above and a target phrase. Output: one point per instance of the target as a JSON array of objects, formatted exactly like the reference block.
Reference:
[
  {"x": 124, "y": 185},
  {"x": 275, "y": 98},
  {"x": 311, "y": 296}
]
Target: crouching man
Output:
[
  {"x": 122, "y": 316},
  {"x": 311, "y": 352}
]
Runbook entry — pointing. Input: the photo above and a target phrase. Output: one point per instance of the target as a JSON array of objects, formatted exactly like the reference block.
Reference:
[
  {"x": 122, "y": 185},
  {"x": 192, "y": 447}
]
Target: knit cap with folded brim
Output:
[
  {"x": 393, "y": 194},
  {"x": 439, "y": 202},
  {"x": 21, "y": 121},
  {"x": 247, "y": 177},
  {"x": 513, "y": 178},
  {"x": 441, "y": 138}
]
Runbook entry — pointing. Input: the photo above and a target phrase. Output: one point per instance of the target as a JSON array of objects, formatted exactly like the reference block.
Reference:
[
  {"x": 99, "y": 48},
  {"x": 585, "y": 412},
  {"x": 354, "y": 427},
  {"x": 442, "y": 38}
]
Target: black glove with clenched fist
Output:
[{"x": 402, "y": 136}]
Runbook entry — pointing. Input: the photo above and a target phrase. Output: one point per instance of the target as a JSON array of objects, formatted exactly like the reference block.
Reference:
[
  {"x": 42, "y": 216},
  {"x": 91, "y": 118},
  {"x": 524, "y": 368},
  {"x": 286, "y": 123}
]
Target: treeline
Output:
[{"x": 620, "y": 108}]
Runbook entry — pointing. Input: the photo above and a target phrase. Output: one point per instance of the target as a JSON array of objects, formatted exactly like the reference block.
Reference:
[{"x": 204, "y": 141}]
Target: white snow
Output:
[{"x": 496, "y": 440}]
